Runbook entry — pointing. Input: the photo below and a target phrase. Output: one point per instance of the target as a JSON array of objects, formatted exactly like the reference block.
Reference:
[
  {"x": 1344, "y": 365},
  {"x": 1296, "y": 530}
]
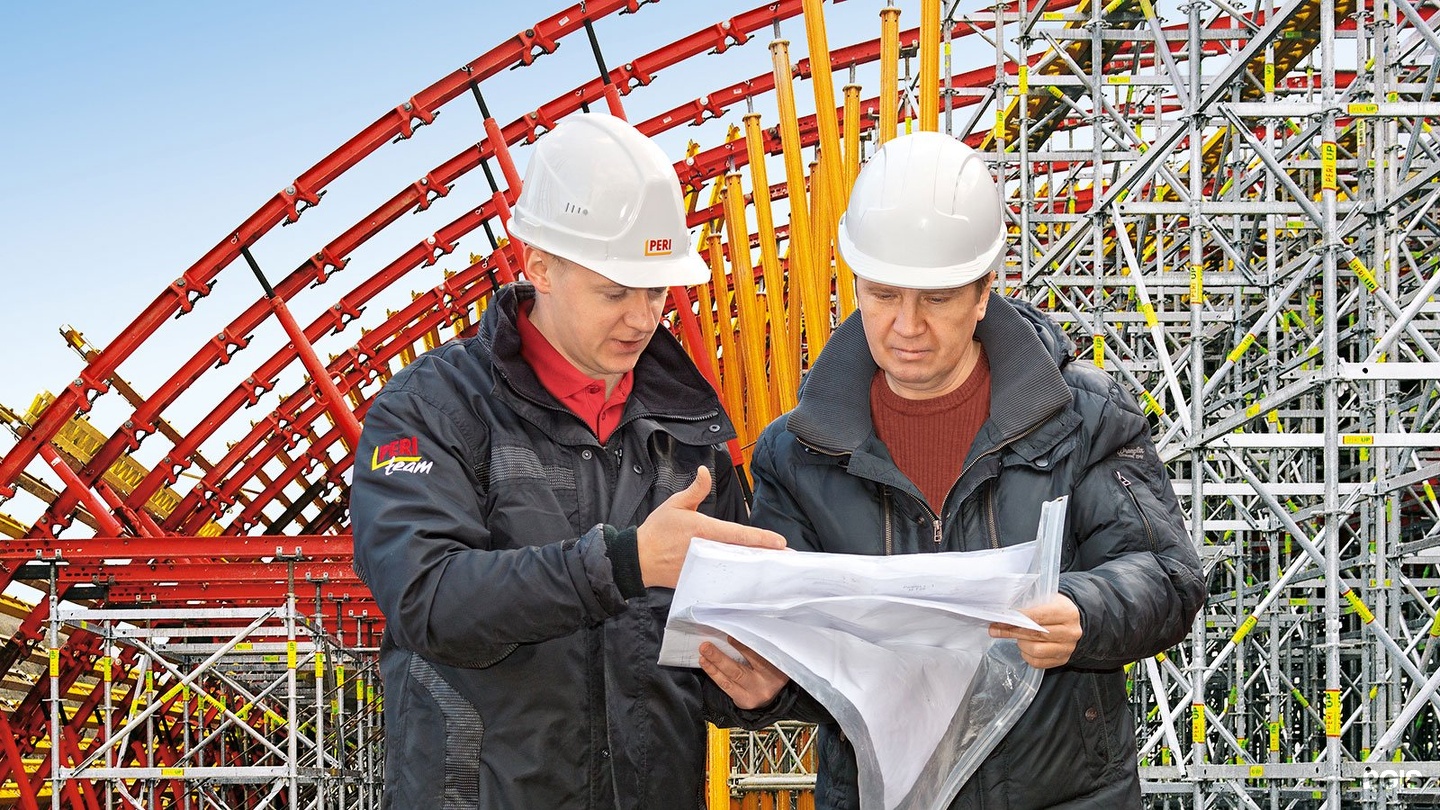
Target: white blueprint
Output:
[{"x": 890, "y": 645}]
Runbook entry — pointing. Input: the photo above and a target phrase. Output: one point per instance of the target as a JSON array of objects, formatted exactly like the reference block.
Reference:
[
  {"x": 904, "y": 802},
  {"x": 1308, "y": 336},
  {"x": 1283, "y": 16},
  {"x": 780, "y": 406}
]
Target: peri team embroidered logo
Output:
[
  {"x": 658, "y": 247},
  {"x": 400, "y": 455},
  {"x": 1134, "y": 451}
]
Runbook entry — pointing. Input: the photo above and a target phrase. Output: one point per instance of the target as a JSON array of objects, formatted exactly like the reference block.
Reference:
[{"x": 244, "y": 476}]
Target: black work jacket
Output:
[
  {"x": 1056, "y": 427},
  {"x": 515, "y": 673}
]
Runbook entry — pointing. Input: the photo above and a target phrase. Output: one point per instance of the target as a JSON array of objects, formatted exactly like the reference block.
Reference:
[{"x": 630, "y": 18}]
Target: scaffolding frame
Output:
[{"x": 238, "y": 707}]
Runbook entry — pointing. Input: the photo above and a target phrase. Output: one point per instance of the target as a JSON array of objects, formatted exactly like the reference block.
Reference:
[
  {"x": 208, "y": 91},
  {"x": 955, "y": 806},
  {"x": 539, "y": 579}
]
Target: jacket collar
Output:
[
  {"x": 1025, "y": 349},
  {"x": 666, "y": 384}
]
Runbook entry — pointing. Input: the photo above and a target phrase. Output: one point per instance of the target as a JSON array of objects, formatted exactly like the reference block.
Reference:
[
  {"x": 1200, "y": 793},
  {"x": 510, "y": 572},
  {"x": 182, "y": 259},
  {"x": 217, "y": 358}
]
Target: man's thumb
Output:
[{"x": 692, "y": 496}]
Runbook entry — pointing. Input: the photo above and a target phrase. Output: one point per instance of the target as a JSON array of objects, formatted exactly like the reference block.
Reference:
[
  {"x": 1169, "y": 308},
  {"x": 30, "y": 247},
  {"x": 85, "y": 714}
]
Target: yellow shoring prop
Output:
[
  {"x": 801, "y": 254},
  {"x": 784, "y": 353},
  {"x": 759, "y": 406},
  {"x": 707, "y": 317},
  {"x": 731, "y": 370},
  {"x": 821, "y": 81},
  {"x": 929, "y": 65},
  {"x": 851, "y": 133},
  {"x": 821, "y": 264},
  {"x": 889, "y": 72},
  {"x": 844, "y": 279},
  {"x": 717, "y": 765}
]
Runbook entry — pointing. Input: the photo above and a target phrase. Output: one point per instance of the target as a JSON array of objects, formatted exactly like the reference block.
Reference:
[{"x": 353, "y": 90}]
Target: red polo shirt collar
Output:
[{"x": 583, "y": 395}]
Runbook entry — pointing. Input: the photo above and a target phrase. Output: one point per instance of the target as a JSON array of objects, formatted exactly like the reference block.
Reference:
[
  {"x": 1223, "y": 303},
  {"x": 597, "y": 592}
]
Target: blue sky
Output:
[{"x": 141, "y": 134}]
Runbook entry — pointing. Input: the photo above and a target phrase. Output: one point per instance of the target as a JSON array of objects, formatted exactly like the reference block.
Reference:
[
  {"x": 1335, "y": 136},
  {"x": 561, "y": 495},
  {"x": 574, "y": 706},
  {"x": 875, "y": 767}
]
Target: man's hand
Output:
[
  {"x": 751, "y": 684},
  {"x": 664, "y": 537},
  {"x": 1045, "y": 650}
]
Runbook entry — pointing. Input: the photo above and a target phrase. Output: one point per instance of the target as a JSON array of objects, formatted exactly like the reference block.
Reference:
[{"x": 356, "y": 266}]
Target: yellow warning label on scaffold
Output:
[
  {"x": 54, "y": 663},
  {"x": 1122, "y": 79},
  {"x": 1098, "y": 344},
  {"x": 1244, "y": 629},
  {"x": 172, "y": 773},
  {"x": 1050, "y": 16},
  {"x": 1197, "y": 283},
  {"x": 289, "y": 655},
  {"x": 1360, "y": 609},
  {"x": 1274, "y": 736},
  {"x": 1252, "y": 411},
  {"x": 1257, "y": 771},
  {"x": 1239, "y": 350},
  {"x": 1269, "y": 78},
  {"x": 319, "y": 664},
  {"x": 1148, "y": 310},
  {"x": 1358, "y": 439},
  {"x": 1429, "y": 491},
  {"x": 103, "y": 664},
  {"x": 1328, "y": 176},
  {"x": 1023, "y": 76},
  {"x": 1197, "y": 723},
  {"x": 1362, "y": 108},
  {"x": 1332, "y": 712},
  {"x": 1363, "y": 273}
]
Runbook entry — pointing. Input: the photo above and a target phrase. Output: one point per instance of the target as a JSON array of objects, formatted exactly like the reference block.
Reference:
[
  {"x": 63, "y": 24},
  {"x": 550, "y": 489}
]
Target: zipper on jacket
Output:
[
  {"x": 937, "y": 524},
  {"x": 889, "y": 525},
  {"x": 1149, "y": 533},
  {"x": 990, "y": 514}
]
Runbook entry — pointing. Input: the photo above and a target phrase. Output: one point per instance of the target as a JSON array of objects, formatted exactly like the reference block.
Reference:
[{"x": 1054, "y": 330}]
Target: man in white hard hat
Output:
[
  {"x": 939, "y": 418},
  {"x": 523, "y": 501}
]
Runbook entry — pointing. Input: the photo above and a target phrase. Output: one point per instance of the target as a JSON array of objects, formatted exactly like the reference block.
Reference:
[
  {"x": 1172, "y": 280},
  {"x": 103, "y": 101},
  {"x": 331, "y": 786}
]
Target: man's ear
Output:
[
  {"x": 536, "y": 270},
  {"x": 983, "y": 289}
]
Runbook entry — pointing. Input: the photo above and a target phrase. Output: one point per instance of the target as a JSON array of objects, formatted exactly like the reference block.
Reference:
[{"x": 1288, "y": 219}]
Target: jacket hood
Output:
[{"x": 1026, "y": 350}]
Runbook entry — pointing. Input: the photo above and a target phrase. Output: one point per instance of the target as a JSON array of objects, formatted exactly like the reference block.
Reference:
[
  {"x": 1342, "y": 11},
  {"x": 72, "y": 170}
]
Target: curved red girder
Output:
[{"x": 286, "y": 205}]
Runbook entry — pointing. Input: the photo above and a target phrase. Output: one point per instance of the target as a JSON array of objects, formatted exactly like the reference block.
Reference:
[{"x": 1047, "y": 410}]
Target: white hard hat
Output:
[
  {"x": 924, "y": 214},
  {"x": 601, "y": 194}
]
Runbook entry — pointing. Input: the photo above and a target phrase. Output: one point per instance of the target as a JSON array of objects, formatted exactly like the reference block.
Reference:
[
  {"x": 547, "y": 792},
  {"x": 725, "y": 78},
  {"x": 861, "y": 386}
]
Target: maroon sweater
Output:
[{"x": 929, "y": 438}]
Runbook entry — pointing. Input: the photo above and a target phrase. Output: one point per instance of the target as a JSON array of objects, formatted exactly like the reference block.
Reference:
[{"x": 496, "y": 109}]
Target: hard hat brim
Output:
[
  {"x": 904, "y": 276},
  {"x": 685, "y": 269}
]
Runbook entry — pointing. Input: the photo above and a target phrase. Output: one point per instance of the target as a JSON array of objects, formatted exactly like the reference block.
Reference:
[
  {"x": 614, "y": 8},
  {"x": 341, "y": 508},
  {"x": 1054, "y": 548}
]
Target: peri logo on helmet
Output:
[{"x": 658, "y": 247}]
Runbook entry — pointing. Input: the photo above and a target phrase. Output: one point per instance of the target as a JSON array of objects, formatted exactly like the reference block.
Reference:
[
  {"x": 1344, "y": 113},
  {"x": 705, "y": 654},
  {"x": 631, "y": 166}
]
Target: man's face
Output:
[
  {"x": 596, "y": 324},
  {"x": 924, "y": 340}
]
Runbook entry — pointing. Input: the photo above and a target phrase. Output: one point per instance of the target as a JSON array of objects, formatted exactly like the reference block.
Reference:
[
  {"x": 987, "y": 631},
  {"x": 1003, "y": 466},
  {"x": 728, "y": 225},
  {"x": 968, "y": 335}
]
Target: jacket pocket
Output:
[{"x": 433, "y": 739}]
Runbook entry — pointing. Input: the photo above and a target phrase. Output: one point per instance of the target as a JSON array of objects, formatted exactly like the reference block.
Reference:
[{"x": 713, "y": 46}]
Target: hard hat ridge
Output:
[{"x": 599, "y": 193}]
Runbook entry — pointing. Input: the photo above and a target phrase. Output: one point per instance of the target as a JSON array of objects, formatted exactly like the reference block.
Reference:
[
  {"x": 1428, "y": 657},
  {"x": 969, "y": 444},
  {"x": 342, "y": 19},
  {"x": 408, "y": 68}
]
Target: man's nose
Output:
[{"x": 907, "y": 318}]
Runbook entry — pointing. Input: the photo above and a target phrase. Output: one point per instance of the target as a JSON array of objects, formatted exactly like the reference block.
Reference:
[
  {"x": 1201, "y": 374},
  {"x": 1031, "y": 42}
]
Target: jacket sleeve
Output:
[
  {"x": 422, "y": 545},
  {"x": 1135, "y": 576}
]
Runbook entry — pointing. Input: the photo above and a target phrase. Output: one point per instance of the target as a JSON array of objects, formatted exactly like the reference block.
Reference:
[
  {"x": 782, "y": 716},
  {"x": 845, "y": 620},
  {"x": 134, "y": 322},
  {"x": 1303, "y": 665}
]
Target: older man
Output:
[{"x": 939, "y": 418}]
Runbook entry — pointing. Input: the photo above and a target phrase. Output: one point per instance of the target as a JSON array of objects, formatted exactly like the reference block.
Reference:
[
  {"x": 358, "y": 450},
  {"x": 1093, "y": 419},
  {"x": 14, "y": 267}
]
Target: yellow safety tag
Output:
[
  {"x": 289, "y": 655},
  {"x": 1360, "y": 609},
  {"x": 1244, "y": 629},
  {"x": 1197, "y": 283},
  {"x": 1197, "y": 723},
  {"x": 1098, "y": 342},
  {"x": 54, "y": 663},
  {"x": 1328, "y": 175},
  {"x": 1332, "y": 712},
  {"x": 1240, "y": 348}
]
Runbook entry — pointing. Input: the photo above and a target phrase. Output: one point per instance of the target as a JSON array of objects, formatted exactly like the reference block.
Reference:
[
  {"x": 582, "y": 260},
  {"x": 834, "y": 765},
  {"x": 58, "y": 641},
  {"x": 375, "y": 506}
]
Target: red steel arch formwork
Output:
[{"x": 200, "y": 626}]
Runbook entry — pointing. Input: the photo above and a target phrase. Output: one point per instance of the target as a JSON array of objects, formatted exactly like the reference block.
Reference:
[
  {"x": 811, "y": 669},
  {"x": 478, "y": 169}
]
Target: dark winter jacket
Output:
[
  {"x": 516, "y": 674},
  {"x": 1056, "y": 428}
]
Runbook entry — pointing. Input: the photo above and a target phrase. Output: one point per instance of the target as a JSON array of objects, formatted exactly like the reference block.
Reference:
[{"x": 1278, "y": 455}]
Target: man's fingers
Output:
[{"x": 738, "y": 535}]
